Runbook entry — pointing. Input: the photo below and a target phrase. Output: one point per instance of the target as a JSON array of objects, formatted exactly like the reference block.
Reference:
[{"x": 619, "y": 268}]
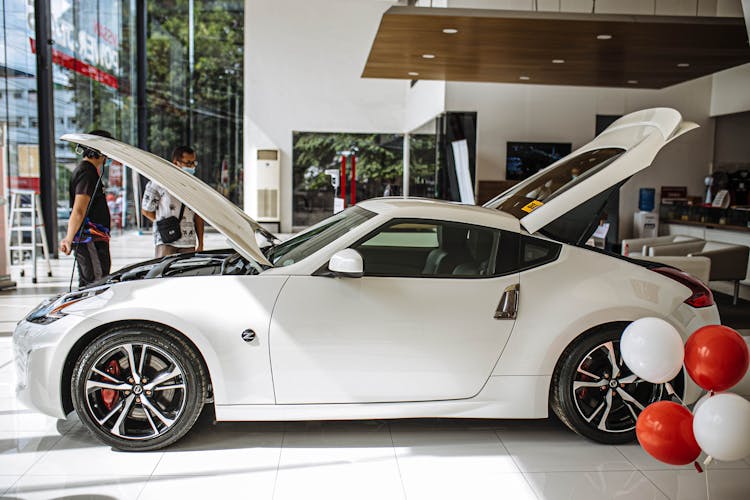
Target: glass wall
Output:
[
  {"x": 195, "y": 81},
  {"x": 94, "y": 84},
  {"x": 379, "y": 169},
  {"x": 194, "y": 89}
]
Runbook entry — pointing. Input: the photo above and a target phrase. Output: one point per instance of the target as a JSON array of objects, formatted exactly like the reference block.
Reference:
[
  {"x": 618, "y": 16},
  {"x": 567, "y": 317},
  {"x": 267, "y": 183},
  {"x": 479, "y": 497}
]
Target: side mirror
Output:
[{"x": 347, "y": 263}]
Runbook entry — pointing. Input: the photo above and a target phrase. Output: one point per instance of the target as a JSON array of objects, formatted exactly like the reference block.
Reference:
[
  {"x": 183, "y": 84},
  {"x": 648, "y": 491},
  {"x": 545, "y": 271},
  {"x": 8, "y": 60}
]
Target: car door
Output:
[{"x": 420, "y": 325}]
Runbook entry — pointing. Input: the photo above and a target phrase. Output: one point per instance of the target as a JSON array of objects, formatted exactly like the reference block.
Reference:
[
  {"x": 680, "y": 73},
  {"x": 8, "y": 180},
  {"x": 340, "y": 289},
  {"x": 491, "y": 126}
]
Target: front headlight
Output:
[{"x": 53, "y": 308}]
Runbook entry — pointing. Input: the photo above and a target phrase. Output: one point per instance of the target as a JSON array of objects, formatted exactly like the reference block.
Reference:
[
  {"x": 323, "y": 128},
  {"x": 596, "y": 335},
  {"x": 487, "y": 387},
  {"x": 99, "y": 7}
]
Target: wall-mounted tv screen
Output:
[{"x": 524, "y": 159}]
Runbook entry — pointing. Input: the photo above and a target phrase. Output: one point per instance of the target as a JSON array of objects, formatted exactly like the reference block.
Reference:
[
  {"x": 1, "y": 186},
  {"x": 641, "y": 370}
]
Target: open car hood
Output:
[
  {"x": 214, "y": 208},
  {"x": 583, "y": 178}
]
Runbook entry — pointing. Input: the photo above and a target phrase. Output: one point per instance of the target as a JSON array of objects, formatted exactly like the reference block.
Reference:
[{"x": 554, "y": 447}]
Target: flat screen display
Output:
[{"x": 524, "y": 159}]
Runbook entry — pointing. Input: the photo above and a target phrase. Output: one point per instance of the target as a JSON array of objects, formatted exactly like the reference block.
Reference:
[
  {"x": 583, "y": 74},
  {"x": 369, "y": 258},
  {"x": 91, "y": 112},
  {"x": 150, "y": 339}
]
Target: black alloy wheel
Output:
[
  {"x": 595, "y": 394},
  {"x": 138, "y": 389}
]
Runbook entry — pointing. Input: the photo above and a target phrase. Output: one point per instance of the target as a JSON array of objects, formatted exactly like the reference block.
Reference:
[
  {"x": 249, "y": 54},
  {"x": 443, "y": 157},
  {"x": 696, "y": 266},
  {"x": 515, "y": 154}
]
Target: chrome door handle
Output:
[{"x": 507, "y": 308}]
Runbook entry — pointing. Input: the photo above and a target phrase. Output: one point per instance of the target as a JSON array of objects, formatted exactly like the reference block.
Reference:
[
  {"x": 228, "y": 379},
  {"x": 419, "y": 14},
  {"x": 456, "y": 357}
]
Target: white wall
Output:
[
  {"x": 423, "y": 102},
  {"x": 304, "y": 61},
  {"x": 539, "y": 113},
  {"x": 731, "y": 91}
]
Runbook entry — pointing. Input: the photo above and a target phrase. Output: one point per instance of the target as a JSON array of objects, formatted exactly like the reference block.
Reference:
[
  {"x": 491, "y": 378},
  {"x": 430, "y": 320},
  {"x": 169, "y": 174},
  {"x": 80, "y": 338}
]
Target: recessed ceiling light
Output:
[
  {"x": 450, "y": 31},
  {"x": 413, "y": 73},
  {"x": 683, "y": 65},
  {"x": 428, "y": 56},
  {"x": 524, "y": 78},
  {"x": 604, "y": 37},
  {"x": 633, "y": 82},
  {"x": 558, "y": 61}
]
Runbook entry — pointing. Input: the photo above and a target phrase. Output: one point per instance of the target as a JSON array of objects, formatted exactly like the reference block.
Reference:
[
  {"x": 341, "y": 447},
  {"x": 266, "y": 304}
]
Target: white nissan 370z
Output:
[{"x": 393, "y": 308}]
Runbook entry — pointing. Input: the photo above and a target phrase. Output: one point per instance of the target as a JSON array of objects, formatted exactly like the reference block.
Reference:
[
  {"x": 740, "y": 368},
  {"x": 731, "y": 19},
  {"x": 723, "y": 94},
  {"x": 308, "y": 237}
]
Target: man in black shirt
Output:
[{"x": 88, "y": 234}]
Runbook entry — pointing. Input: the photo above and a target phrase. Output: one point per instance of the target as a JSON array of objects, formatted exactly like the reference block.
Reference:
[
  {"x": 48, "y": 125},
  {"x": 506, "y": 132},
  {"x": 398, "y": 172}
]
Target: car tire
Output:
[
  {"x": 589, "y": 400},
  {"x": 138, "y": 388}
]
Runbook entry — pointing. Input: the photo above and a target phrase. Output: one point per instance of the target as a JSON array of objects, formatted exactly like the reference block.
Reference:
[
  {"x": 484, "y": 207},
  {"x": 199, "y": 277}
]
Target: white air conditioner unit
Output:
[{"x": 267, "y": 185}]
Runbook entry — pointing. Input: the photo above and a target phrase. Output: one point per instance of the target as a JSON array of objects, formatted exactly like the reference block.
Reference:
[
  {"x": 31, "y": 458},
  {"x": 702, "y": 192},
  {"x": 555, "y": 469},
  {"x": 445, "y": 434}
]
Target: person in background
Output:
[
  {"x": 88, "y": 227},
  {"x": 159, "y": 204}
]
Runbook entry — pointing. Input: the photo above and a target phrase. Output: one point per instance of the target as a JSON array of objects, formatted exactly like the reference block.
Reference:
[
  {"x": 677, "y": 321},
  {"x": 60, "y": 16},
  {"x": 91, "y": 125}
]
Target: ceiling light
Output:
[
  {"x": 558, "y": 61},
  {"x": 413, "y": 73},
  {"x": 683, "y": 65},
  {"x": 450, "y": 31},
  {"x": 524, "y": 78},
  {"x": 604, "y": 37},
  {"x": 428, "y": 56},
  {"x": 633, "y": 82}
]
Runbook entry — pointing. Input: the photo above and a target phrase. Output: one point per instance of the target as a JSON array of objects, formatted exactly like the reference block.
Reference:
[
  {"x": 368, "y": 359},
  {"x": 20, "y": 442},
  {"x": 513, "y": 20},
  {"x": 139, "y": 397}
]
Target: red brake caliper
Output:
[{"x": 110, "y": 397}]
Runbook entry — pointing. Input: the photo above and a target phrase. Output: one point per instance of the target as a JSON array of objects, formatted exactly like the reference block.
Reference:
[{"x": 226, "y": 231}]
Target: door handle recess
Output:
[{"x": 507, "y": 308}]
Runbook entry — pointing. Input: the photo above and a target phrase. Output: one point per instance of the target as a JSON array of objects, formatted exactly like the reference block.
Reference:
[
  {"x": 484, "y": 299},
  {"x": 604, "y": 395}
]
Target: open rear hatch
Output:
[{"x": 566, "y": 199}]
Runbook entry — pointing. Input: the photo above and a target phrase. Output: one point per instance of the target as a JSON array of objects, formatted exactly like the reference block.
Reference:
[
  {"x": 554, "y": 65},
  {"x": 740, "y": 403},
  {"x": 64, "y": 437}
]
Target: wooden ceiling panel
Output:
[{"x": 503, "y": 46}]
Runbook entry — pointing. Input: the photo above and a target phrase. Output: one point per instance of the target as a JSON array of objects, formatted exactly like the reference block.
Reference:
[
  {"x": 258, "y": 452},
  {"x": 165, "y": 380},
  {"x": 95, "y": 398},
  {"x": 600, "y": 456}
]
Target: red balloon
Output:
[
  {"x": 665, "y": 430},
  {"x": 716, "y": 357}
]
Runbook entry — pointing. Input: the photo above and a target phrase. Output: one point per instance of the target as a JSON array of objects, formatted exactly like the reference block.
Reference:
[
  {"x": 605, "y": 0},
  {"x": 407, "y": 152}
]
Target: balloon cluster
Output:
[{"x": 716, "y": 358}]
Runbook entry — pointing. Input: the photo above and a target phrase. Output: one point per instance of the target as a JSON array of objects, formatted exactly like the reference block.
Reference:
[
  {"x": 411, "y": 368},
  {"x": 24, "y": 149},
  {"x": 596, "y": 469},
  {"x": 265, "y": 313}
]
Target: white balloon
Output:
[
  {"x": 652, "y": 349},
  {"x": 722, "y": 427}
]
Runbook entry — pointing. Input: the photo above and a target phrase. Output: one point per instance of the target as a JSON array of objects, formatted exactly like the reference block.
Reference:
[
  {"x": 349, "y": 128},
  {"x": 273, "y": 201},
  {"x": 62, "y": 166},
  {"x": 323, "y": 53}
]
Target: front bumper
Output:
[{"x": 40, "y": 352}]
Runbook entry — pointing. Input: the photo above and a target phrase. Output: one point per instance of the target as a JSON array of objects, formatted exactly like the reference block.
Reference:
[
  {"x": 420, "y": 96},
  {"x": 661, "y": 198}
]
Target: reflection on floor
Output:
[{"x": 41, "y": 457}]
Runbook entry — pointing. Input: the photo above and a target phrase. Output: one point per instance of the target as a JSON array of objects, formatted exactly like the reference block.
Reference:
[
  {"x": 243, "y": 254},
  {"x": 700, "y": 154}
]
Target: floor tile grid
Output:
[
  {"x": 527, "y": 477},
  {"x": 10, "y": 486},
  {"x": 642, "y": 473},
  {"x": 515, "y": 462},
  {"x": 145, "y": 483},
  {"x": 278, "y": 462},
  {"x": 6, "y": 366},
  {"x": 398, "y": 465}
]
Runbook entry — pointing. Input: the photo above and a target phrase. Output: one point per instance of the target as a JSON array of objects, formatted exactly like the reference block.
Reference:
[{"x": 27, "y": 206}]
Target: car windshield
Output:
[
  {"x": 554, "y": 180},
  {"x": 316, "y": 237}
]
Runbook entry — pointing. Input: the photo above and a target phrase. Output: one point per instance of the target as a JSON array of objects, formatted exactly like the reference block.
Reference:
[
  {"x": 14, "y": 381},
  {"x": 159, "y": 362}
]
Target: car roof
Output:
[{"x": 424, "y": 208}]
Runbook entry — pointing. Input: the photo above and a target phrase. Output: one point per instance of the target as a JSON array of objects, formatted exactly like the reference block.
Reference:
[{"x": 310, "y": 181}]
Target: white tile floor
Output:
[{"x": 41, "y": 457}]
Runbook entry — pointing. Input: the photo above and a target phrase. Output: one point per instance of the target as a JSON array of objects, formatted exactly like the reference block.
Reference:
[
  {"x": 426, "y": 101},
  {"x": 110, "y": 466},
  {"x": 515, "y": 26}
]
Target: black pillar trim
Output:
[
  {"x": 46, "y": 116},
  {"x": 140, "y": 71}
]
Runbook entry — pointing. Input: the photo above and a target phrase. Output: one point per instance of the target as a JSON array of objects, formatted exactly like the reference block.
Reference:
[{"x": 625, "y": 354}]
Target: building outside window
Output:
[{"x": 194, "y": 89}]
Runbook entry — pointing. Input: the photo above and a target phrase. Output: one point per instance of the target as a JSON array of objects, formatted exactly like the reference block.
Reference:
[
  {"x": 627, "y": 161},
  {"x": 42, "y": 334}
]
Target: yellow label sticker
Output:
[{"x": 532, "y": 206}]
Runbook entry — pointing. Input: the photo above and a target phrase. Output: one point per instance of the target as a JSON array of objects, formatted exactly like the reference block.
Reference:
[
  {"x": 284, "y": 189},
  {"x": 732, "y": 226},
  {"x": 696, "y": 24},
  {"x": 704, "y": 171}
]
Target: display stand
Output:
[{"x": 17, "y": 228}]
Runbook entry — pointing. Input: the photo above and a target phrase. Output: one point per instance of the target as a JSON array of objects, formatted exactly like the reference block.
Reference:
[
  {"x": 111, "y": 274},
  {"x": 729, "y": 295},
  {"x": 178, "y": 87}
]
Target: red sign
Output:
[
  {"x": 31, "y": 183},
  {"x": 80, "y": 67}
]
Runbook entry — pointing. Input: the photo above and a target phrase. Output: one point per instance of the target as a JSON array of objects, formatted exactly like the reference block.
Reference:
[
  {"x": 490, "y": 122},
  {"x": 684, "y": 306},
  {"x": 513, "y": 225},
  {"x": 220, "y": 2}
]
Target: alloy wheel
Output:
[
  {"x": 135, "y": 391},
  {"x": 607, "y": 395}
]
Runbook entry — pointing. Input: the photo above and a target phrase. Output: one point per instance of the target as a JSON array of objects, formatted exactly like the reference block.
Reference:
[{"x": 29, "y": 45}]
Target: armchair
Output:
[
  {"x": 639, "y": 246},
  {"x": 728, "y": 261}
]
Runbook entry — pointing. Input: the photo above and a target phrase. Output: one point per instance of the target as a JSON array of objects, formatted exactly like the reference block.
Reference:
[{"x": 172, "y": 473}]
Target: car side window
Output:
[
  {"x": 536, "y": 252},
  {"x": 418, "y": 248}
]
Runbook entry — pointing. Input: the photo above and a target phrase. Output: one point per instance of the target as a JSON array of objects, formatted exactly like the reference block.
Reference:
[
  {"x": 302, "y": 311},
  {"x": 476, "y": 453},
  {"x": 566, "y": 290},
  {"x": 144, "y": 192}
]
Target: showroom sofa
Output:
[
  {"x": 638, "y": 248},
  {"x": 728, "y": 261}
]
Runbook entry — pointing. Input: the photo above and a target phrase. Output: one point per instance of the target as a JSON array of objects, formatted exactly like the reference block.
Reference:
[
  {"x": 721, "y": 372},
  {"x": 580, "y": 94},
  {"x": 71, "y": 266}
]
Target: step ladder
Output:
[{"x": 26, "y": 217}]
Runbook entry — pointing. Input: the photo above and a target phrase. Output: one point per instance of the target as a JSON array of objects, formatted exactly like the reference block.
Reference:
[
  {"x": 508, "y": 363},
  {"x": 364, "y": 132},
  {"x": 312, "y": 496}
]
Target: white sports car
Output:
[{"x": 393, "y": 308}]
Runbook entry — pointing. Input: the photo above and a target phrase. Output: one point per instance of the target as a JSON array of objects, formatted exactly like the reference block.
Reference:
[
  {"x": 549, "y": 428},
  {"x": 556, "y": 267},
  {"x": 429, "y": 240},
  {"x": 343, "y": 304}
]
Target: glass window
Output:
[
  {"x": 553, "y": 181},
  {"x": 318, "y": 236},
  {"x": 378, "y": 171},
  {"x": 418, "y": 248},
  {"x": 536, "y": 252},
  {"x": 194, "y": 88},
  {"x": 414, "y": 235}
]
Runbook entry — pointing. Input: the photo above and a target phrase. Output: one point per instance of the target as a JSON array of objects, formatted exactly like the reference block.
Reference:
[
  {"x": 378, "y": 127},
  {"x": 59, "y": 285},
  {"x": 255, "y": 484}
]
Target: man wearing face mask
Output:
[
  {"x": 158, "y": 204},
  {"x": 88, "y": 227}
]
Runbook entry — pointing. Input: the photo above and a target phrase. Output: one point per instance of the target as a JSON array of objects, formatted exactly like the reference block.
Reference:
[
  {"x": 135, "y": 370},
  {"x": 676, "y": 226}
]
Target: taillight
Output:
[{"x": 701, "y": 297}]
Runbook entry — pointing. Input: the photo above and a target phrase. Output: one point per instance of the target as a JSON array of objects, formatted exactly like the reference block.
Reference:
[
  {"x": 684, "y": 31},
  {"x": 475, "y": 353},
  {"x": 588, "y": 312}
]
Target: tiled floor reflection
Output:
[{"x": 428, "y": 459}]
